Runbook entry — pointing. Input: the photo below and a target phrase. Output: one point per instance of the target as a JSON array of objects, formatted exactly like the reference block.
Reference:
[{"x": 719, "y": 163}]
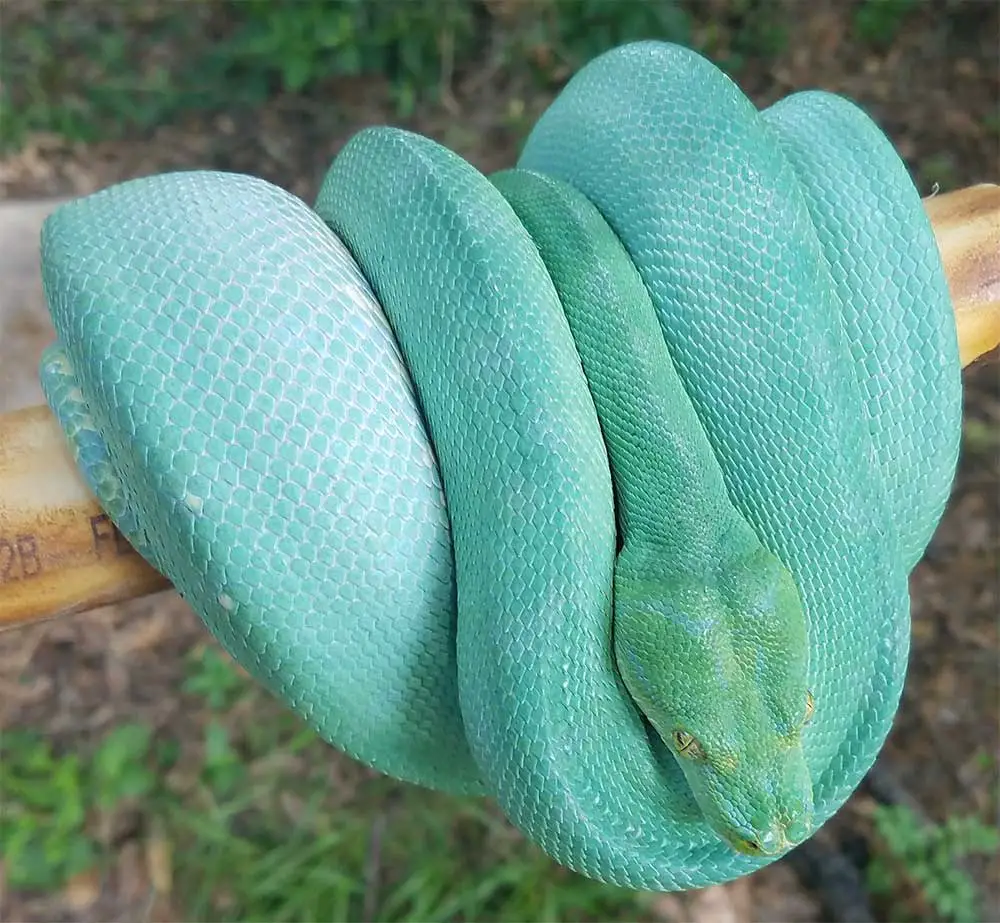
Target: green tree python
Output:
[{"x": 591, "y": 486}]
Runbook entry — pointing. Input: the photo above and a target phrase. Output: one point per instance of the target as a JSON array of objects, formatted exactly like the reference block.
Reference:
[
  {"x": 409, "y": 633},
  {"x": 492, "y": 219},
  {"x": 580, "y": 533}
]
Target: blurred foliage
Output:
[
  {"x": 142, "y": 64},
  {"x": 878, "y": 22},
  {"x": 917, "y": 867},
  {"x": 255, "y": 818}
]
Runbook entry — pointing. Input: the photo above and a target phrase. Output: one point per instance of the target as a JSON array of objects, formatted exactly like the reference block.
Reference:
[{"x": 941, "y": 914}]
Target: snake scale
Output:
[{"x": 592, "y": 486}]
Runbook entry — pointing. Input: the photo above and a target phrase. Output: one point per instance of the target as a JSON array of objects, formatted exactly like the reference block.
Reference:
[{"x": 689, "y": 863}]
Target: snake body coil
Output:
[{"x": 592, "y": 486}]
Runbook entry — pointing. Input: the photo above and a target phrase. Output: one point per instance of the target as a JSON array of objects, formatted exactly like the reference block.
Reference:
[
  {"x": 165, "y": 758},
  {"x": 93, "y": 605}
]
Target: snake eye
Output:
[
  {"x": 684, "y": 742},
  {"x": 810, "y": 708}
]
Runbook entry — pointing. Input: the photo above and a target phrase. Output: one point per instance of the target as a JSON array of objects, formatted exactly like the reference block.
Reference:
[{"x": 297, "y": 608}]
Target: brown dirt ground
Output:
[{"x": 933, "y": 93}]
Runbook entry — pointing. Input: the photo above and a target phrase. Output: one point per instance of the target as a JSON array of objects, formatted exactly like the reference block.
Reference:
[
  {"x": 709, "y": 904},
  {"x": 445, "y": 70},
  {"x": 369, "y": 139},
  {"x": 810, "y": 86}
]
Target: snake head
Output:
[
  {"x": 756, "y": 795},
  {"x": 719, "y": 668}
]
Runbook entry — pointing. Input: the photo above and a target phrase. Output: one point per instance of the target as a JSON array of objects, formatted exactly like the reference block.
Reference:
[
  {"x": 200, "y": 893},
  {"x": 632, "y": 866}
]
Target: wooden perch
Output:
[
  {"x": 967, "y": 227},
  {"x": 60, "y": 554}
]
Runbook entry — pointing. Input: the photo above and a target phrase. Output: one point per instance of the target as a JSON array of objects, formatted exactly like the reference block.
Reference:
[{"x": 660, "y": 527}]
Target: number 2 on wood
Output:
[{"x": 19, "y": 558}]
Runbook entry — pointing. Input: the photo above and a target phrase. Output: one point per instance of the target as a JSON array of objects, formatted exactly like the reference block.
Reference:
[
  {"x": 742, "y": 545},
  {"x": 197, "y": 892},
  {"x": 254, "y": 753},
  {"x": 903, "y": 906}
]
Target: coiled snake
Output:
[{"x": 592, "y": 486}]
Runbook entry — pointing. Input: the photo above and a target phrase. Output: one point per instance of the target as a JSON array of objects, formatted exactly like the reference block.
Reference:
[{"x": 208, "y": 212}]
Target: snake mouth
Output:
[
  {"x": 754, "y": 846},
  {"x": 773, "y": 842}
]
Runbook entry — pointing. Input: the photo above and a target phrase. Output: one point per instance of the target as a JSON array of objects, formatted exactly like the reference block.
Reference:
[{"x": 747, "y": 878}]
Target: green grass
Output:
[{"x": 266, "y": 822}]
